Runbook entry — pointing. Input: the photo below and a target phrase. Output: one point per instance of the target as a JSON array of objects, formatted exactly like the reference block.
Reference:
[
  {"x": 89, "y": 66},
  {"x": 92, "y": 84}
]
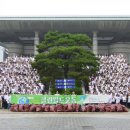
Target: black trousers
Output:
[
  {"x": 4, "y": 104},
  {"x": 113, "y": 103},
  {"x": 128, "y": 104}
]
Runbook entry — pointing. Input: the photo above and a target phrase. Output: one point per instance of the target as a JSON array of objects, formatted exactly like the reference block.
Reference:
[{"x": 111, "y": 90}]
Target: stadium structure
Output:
[
  {"x": 110, "y": 34},
  {"x": 3, "y": 52}
]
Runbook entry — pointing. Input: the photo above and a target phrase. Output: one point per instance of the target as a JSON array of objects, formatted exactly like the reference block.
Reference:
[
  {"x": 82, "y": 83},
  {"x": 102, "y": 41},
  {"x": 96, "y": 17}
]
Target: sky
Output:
[{"x": 64, "y": 7}]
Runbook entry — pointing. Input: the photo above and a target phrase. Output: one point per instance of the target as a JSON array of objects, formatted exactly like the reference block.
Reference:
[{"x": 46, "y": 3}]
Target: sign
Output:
[
  {"x": 65, "y": 83},
  {"x": 96, "y": 98},
  {"x": 64, "y": 86},
  {"x": 47, "y": 99},
  {"x": 54, "y": 99}
]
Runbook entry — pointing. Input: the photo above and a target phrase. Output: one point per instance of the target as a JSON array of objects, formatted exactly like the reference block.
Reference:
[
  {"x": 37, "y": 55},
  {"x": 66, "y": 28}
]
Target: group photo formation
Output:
[
  {"x": 65, "y": 65},
  {"x": 20, "y": 86},
  {"x": 65, "y": 74}
]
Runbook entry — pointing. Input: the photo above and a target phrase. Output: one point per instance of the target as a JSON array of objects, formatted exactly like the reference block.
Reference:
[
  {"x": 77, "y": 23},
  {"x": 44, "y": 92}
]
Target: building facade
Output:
[{"x": 110, "y": 35}]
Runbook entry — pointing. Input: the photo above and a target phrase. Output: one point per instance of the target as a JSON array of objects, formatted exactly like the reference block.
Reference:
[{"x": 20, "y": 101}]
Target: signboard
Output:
[
  {"x": 46, "y": 99},
  {"x": 65, "y": 83},
  {"x": 96, "y": 98},
  {"x": 54, "y": 99}
]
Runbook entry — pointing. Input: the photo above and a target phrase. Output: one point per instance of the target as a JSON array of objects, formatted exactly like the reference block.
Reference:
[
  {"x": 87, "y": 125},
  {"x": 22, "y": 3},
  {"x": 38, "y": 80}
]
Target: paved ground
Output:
[{"x": 64, "y": 121}]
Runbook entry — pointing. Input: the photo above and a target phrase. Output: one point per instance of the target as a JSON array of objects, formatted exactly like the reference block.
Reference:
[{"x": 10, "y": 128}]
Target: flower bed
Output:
[{"x": 69, "y": 108}]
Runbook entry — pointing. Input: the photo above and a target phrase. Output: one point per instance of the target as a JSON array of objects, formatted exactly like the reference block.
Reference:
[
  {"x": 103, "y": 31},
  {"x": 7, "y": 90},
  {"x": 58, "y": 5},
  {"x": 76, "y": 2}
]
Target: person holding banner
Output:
[
  {"x": 118, "y": 99},
  {"x": 0, "y": 100},
  {"x": 128, "y": 98},
  {"x": 124, "y": 97},
  {"x": 57, "y": 93},
  {"x": 112, "y": 99},
  {"x": 73, "y": 93},
  {"x": 8, "y": 100},
  {"x": 45, "y": 93}
]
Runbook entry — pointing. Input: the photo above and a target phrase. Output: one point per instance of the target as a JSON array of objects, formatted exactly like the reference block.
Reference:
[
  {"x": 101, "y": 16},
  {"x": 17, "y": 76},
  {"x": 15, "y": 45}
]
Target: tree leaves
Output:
[{"x": 65, "y": 55}]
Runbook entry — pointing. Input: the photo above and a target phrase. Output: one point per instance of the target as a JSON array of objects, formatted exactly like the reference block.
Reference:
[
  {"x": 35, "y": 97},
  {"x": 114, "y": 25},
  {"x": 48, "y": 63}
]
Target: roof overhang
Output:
[
  {"x": 16, "y": 28},
  {"x": 127, "y": 17}
]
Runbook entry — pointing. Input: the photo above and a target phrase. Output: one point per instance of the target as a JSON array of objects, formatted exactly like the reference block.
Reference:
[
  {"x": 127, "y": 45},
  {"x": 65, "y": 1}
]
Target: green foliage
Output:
[
  {"x": 65, "y": 55},
  {"x": 68, "y": 91}
]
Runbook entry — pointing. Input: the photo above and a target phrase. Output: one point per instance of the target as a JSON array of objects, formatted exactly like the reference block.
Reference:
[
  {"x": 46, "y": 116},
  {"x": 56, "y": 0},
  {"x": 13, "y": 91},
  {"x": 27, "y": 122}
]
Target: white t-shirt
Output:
[
  {"x": 118, "y": 99},
  {"x": 111, "y": 99}
]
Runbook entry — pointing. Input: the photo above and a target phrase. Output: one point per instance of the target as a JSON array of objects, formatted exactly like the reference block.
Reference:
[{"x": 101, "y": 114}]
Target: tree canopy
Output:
[{"x": 64, "y": 56}]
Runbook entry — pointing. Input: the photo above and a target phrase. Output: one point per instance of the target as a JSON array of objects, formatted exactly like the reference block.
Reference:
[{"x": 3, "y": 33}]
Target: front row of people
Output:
[
  {"x": 115, "y": 99},
  {"x": 5, "y": 100}
]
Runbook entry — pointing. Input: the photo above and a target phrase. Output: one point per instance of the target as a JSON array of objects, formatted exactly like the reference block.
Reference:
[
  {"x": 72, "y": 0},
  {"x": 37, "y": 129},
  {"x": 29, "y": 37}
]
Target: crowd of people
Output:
[
  {"x": 113, "y": 77},
  {"x": 17, "y": 76}
]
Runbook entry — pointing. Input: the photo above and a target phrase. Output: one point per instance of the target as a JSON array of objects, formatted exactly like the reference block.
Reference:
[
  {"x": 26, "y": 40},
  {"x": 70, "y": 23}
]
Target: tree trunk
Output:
[{"x": 66, "y": 70}]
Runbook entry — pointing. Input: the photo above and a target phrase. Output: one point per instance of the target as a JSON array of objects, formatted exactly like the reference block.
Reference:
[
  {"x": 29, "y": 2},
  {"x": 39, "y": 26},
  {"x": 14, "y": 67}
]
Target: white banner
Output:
[
  {"x": 96, "y": 98},
  {"x": 128, "y": 99}
]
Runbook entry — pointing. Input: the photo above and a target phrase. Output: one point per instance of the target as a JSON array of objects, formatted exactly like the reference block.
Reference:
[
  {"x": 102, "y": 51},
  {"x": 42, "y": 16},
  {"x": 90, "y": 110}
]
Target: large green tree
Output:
[{"x": 63, "y": 56}]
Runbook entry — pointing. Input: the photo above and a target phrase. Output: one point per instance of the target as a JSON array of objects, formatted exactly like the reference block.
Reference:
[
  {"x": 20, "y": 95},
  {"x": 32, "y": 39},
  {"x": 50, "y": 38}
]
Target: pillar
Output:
[
  {"x": 36, "y": 42},
  {"x": 95, "y": 43}
]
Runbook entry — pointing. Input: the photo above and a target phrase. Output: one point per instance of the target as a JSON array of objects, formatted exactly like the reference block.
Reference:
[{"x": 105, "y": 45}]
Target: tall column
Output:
[
  {"x": 36, "y": 42},
  {"x": 95, "y": 43}
]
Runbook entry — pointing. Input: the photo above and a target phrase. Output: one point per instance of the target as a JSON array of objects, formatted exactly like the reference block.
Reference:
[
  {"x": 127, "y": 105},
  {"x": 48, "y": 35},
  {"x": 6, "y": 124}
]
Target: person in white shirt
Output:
[
  {"x": 112, "y": 99},
  {"x": 57, "y": 93},
  {"x": 0, "y": 100},
  {"x": 124, "y": 99},
  {"x": 8, "y": 100},
  {"x": 118, "y": 99}
]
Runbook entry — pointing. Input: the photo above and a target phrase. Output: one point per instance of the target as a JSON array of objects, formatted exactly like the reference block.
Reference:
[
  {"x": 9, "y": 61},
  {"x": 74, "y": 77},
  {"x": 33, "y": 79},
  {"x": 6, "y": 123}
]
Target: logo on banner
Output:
[
  {"x": 82, "y": 97},
  {"x": 23, "y": 100}
]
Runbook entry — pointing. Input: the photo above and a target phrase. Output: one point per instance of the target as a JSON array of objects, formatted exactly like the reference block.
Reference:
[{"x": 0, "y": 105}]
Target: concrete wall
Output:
[
  {"x": 14, "y": 48},
  {"x": 115, "y": 48},
  {"x": 19, "y": 49},
  {"x": 2, "y": 49},
  {"x": 28, "y": 49},
  {"x": 103, "y": 49}
]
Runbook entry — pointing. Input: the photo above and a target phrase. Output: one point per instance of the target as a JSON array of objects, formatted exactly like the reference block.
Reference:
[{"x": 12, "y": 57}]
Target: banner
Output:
[
  {"x": 63, "y": 99},
  {"x": 97, "y": 99},
  {"x": 47, "y": 99}
]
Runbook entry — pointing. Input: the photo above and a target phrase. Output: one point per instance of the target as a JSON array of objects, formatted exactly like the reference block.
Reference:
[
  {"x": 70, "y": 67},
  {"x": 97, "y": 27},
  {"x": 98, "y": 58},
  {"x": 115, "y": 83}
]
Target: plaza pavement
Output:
[{"x": 64, "y": 121}]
